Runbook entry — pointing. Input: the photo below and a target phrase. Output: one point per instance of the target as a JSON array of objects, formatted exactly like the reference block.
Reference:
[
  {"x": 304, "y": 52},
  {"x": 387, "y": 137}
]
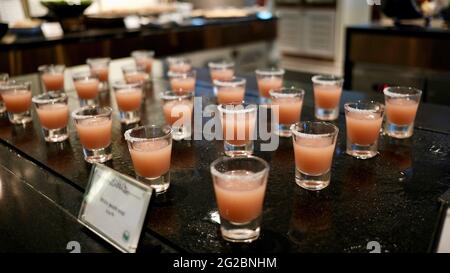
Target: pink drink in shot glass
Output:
[
  {"x": 178, "y": 111},
  {"x": 52, "y": 77},
  {"x": 87, "y": 87},
  {"x": 222, "y": 70},
  {"x": 17, "y": 99},
  {"x": 267, "y": 80},
  {"x": 327, "y": 96},
  {"x": 53, "y": 113},
  {"x": 286, "y": 105},
  {"x": 183, "y": 83},
  {"x": 100, "y": 67},
  {"x": 129, "y": 98},
  {"x": 230, "y": 91},
  {"x": 134, "y": 74},
  {"x": 179, "y": 64},
  {"x": 144, "y": 58}
]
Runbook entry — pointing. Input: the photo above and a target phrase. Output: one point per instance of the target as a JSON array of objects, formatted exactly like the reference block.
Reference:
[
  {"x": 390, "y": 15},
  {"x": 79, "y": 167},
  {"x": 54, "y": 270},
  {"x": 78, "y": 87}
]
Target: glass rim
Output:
[
  {"x": 121, "y": 84},
  {"x": 132, "y": 68},
  {"x": 231, "y": 83},
  {"x": 173, "y": 59},
  {"x": 247, "y": 108},
  {"x": 99, "y": 60},
  {"x": 307, "y": 135},
  {"x": 296, "y": 92},
  {"x": 350, "y": 107},
  {"x": 83, "y": 75},
  {"x": 393, "y": 91},
  {"x": 215, "y": 172},
  {"x": 184, "y": 75},
  {"x": 39, "y": 99},
  {"x": 12, "y": 85},
  {"x": 141, "y": 52},
  {"x": 76, "y": 113},
  {"x": 171, "y": 95},
  {"x": 270, "y": 71},
  {"x": 327, "y": 79},
  {"x": 52, "y": 68},
  {"x": 224, "y": 64},
  {"x": 130, "y": 138}
]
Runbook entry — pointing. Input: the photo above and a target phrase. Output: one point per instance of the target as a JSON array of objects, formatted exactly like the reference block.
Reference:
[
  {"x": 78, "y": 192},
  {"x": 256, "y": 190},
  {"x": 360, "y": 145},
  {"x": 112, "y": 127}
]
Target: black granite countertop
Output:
[{"x": 391, "y": 199}]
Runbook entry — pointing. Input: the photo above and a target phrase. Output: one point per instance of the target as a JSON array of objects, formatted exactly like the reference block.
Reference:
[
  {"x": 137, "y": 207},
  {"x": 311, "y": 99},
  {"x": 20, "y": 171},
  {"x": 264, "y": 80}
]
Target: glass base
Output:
[
  {"x": 180, "y": 133},
  {"x": 20, "y": 118},
  {"x": 312, "y": 182},
  {"x": 159, "y": 184},
  {"x": 240, "y": 233},
  {"x": 238, "y": 150},
  {"x": 98, "y": 155},
  {"x": 399, "y": 131},
  {"x": 362, "y": 151},
  {"x": 55, "y": 135},
  {"x": 84, "y": 102},
  {"x": 327, "y": 114},
  {"x": 130, "y": 117},
  {"x": 283, "y": 130}
]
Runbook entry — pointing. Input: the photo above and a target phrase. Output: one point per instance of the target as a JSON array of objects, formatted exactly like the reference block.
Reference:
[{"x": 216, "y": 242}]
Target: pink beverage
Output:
[
  {"x": 226, "y": 95},
  {"x": 363, "y": 128},
  {"x": 101, "y": 72},
  {"x": 53, "y": 116},
  {"x": 129, "y": 99},
  {"x": 289, "y": 110},
  {"x": 18, "y": 101},
  {"x": 183, "y": 85},
  {"x": 222, "y": 74},
  {"x": 265, "y": 84},
  {"x": 87, "y": 89},
  {"x": 327, "y": 96},
  {"x": 137, "y": 77},
  {"x": 401, "y": 111},
  {"x": 53, "y": 81},
  {"x": 313, "y": 156},
  {"x": 143, "y": 59},
  {"x": 238, "y": 129},
  {"x": 239, "y": 198},
  {"x": 94, "y": 133},
  {"x": 181, "y": 67},
  {"x": 146, "y": 63},
  {"x": 151, "y": 159},
  {"x": 176, "y": 110}
]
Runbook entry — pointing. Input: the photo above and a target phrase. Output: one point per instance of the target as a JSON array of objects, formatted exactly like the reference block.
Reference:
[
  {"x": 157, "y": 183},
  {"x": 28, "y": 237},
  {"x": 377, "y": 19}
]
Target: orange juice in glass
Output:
[
  {"x": 150, "y": 149},
  {"x": 87, "y": 87},
  {"x": 183, "y": 83},
  {"x": 238, "y": 128},
  {"x": 52, "y": 77},
  {"x": 100, "y": 68},
  {"x": 267, "y": 80},
  {"x": 94, "y": 127},
  {"x": 286, "y": 106},
  {"x": 363, "y": 121},
  {"x": 314, "y": 144},
  {"x": 178, "y": 111},
  {"x": 230, "y": 91},
  {"x": 53, "y": 113},
  {"x": 401, "y": 109},
  {"x": 129, "y": 99},
  {"x": 17, "y": 99},
  {"x": 327, "y": 96},
  {"x": 221, "y": 70},
  {"x": 240, "y": 186}
]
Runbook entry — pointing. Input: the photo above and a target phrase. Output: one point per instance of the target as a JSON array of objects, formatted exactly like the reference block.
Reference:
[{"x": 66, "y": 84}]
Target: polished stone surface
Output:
[{"x": 392, "y": 199}]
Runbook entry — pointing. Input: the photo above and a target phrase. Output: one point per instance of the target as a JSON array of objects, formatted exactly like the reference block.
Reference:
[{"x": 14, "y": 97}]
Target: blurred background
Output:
[{"x": 399, "y": 42}]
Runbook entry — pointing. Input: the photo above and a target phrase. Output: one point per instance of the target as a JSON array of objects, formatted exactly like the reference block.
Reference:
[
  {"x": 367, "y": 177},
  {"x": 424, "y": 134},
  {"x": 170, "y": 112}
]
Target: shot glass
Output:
[
  {"x": 363, "y": 120},
  {"x": 238, "y": 128},
  {"x": 129, "y": 99},
  {"x": 178, "y": 110},
  {"x": 240, "y": 186},
  {"x": 268, "y": 79},
  {"x": 94, "y": 127},
  {"x": 179, "y": 64},
  {"x": 151, "y": 148},
  {"x": 100, "y": 68},
  {"x": 52, "y": 77},
  {"x": 314, "y": 145},
  {"x": 183, "y": 83},
  {"x": 53, "y": 113},
  {"x": 87, "y": 86},
  {"x": 134, "y": 74},
  {"x": 222, "y": 70},
  {"x": 327, "y": 96},
  {"x": 230, "y": 91},
  {"x": 287, "y": 105},
  {"x": 17, "y": 99},
  {"x": 401, "y": 109},
  {"x": 144, "y": 59},
  {"x": 4, "y": 78}
]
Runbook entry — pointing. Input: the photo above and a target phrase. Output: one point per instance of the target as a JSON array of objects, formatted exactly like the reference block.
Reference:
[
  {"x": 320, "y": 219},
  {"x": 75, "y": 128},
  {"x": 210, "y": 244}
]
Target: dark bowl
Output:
[
  {"x": 401, "y": 9},
  {"x": 63, "y": 9},
  {"x": 3, "y": 29}
]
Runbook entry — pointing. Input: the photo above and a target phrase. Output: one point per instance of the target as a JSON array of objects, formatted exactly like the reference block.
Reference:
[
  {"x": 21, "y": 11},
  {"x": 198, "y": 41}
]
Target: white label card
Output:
[
  {"x": 52, "y": 30},
  {"x": 114, "y": 207}
]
